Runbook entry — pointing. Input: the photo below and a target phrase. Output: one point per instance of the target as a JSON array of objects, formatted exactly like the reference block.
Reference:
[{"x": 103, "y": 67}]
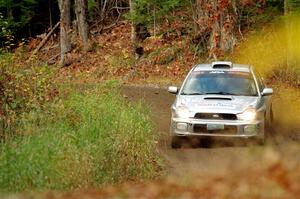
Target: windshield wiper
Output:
[
  {"x": 195, "y": 93},
  {"x": 220, "y": 93}
]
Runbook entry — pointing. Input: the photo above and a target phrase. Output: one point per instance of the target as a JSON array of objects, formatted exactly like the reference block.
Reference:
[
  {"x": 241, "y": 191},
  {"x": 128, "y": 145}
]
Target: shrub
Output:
[
  {"x": 23, "y": 86},
  {"x": 91, "y": 139},
  {"x": 284, "y": 74}
]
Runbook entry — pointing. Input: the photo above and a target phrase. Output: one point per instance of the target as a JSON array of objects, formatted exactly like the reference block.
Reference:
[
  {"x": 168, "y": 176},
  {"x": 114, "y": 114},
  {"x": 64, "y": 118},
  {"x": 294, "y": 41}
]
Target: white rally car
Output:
[{"x": 221, "y": 99}]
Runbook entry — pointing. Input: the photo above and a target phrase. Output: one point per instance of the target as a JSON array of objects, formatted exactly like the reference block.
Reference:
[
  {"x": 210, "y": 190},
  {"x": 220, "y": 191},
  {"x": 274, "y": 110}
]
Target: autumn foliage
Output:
[
  {"x": 221, "y": 22},
  {"x": 24, "y": 86}
]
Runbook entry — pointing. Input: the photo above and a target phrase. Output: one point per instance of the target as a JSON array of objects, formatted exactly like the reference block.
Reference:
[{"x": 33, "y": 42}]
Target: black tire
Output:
[
  {"x": 269, "y": 131},
  {"x": 271, "y": 120},
  {"x": 271, "y": 117},
  {"x": 256, "y": 141},
  {"x": 176, "y": 142},
  {"x": 261, "y": 141},
  {"x": 206, "y": 142}
]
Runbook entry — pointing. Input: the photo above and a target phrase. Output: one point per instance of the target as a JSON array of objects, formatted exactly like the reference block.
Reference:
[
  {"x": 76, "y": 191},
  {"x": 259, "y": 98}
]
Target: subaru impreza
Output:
[{"x": 221, "y": 99}]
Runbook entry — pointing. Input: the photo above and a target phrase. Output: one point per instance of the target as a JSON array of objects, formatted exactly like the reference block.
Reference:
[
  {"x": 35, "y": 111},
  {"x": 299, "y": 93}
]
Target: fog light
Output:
[
  {"x": 248, "y": 115},
  {"x": 250, "y": 129},
  {"x": 181, "y": 126}
]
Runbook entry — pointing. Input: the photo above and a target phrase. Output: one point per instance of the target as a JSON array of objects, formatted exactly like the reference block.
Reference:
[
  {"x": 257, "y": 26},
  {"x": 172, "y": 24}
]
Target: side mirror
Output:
[
  {"x": 173, "y": 89},
  {"x": 267, "y": 91}
]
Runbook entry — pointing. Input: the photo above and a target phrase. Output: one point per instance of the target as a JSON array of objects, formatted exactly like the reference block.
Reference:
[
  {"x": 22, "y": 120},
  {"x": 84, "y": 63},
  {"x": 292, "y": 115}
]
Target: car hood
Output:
[{"x": 216, "y": 103}]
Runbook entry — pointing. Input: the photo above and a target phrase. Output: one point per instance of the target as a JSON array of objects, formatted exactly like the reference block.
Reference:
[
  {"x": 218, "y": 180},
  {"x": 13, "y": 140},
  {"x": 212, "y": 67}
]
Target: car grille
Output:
[
  {"x": 216, "y": 116},
  {"x": 202, "y": 128}
]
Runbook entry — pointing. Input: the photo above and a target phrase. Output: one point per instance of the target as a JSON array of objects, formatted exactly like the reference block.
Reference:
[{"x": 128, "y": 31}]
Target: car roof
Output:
[{"x": 233, "y": 67}]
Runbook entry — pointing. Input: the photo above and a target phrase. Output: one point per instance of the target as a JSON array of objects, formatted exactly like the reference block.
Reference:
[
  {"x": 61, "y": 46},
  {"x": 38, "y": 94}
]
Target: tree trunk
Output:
[
  {"x": 65, "y": 28},
  {"x": 50, "y": 14},
  {"x": 134, "y": 41},
  {"x": 81, "y": 10},
  {"x": 216, "y": 18}
]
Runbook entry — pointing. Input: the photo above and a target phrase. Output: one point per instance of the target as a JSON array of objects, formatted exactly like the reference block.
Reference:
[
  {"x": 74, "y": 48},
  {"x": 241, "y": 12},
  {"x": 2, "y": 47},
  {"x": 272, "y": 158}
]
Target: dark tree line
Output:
[
  {"x": 28, "y": 18},
  {"x": 218, "y": 21}
]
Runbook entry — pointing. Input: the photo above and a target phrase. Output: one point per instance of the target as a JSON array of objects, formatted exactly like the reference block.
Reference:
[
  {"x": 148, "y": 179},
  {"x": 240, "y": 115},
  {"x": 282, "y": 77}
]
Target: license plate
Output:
[{"x": 211, "y": 127}]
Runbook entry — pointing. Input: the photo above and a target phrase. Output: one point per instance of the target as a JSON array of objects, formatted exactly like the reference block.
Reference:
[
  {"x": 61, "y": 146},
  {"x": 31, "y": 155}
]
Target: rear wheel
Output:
[
  {"x": 271, "y": 116},
  {"x": 270, "y": 120},
  {"x": 269, "y": 126}
]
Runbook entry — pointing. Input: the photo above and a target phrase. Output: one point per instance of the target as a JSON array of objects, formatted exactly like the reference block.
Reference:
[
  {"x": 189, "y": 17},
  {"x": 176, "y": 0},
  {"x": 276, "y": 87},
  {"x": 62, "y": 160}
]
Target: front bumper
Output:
[{"x": 232, "y": 128}]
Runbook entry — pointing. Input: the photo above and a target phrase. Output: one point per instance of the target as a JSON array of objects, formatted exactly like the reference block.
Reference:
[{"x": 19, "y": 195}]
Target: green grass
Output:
[{"x": 89, "y": 139}]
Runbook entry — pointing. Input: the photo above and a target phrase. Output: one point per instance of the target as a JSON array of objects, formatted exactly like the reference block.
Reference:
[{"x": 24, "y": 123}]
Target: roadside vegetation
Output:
[
  {"x": 85, "y": 140},
  {"x": 25, "y": 86}
]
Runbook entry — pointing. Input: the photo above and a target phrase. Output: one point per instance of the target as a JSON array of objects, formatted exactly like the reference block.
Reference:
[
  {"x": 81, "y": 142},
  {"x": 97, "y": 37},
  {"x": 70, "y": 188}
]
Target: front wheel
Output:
[
  {"x": 256, "y": 141},
  {"x": 176, "y": 142},
  {"x": 260, "y": 141}
]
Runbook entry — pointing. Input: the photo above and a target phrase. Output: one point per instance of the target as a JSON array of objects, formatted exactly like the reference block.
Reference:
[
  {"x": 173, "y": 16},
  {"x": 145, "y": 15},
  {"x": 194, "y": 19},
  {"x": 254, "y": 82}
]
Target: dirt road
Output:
[{"x": 222, "y": 156}]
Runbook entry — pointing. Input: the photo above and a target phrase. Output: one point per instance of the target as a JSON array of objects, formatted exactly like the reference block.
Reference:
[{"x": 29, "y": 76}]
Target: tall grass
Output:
[
  {"x": 90, "y": 139},
  {"x": 274, "y": 51}
]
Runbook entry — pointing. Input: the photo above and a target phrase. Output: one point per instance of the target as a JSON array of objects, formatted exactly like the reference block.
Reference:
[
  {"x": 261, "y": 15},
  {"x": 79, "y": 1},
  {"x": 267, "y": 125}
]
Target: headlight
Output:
[
  {"x": 181, "y": 126},
  {"x": 248, "y": 115},
  {"x": 182, "y": 112}
]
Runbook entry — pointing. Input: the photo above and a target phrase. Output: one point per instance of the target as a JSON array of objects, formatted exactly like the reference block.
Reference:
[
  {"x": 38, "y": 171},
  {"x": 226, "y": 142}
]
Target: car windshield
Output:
[{"x": 221, "y": 83}]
